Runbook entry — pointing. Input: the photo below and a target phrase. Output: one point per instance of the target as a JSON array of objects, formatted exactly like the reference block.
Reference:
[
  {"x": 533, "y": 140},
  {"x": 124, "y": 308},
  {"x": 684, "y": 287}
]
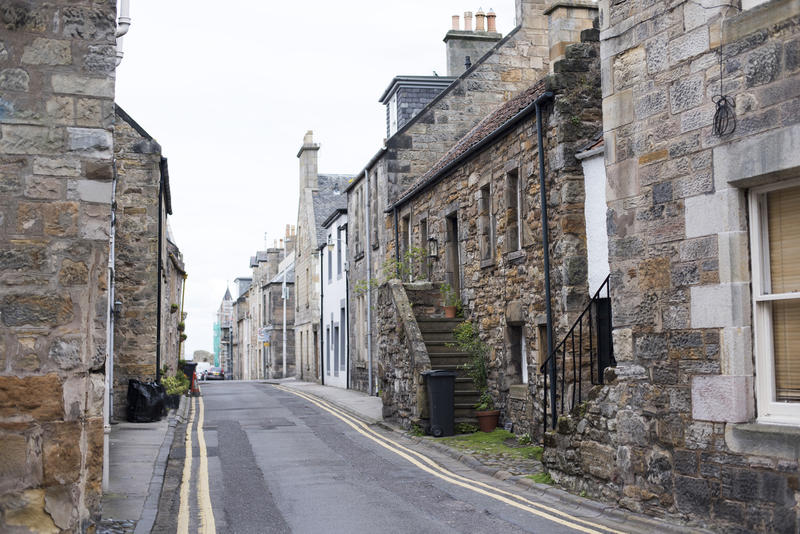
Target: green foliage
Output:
[
  {"x": 408, "y": 268},
  {"x": 492, "y": 443},
  {"x": 173, "y": 308},
  {"x": 181, "y": 363},
  {"x": 466, "y": 428},
  {"x": 524, "y": 439},
  {"x": 360, "y": 287},
  {"x": 416, "y": 430},
  {"x": 541, "y": 478},
  {"x": 181, "y": 326},
  {"x": 183, "y": 337},
  {"x": 468, "y": 340},
  {"x": 485, "y": 402},
  {"x": 175, "y": 385},
  {"x": 449, "y": 295}
]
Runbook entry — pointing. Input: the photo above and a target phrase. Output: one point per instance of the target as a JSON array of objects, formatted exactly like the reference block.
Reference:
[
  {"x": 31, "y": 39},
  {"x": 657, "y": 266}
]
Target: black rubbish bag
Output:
[{"x": 146, "y": 401}]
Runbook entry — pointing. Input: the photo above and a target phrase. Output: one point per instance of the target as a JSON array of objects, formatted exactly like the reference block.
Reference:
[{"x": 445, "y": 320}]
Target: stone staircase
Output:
[{"x": 438, "y": 334}]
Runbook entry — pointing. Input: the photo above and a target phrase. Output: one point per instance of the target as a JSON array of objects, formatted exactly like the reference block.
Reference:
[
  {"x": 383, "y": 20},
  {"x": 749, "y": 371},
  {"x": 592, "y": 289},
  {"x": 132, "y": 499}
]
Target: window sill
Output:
[
  {"x": 517, "y": 255},
  {"x": 358, "y": 256},
  {"x": 761, "y": 439},
  {"x": 487, "y": 263}
]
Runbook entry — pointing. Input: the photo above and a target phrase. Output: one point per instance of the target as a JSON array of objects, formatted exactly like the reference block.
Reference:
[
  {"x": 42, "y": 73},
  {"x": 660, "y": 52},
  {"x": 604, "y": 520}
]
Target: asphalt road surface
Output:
[{"x": 266, "y": 459}]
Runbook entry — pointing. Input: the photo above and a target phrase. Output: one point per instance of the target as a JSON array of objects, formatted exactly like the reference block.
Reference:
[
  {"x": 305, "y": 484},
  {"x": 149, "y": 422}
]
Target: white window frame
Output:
[{"x": 769, "y": 410}]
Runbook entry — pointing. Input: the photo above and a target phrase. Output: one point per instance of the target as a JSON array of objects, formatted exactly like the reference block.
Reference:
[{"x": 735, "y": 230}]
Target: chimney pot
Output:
[
  {"x": 308, "y": 139},
  {"x": 491, "y": 21},
  {"x": 480, "y": 17},
  {"x": 467, "y": 21},
  {"x": 456, "y": 22}
]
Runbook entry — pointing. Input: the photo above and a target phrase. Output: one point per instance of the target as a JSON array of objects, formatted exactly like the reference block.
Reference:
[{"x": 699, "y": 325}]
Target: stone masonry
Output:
[
  {"x": 504, "y": 286},
  {"x": 56, "y": 119},
  {"x": 678, "y": 432}
]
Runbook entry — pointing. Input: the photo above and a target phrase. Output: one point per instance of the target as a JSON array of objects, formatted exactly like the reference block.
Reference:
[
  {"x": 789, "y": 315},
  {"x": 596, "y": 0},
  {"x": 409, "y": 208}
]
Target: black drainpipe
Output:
[
  {"x": 396, "y": 244},
  {"x": 545, "y": 245},
  {"x": 158, "y": 270},
  {"x": 321, "y": 317}
]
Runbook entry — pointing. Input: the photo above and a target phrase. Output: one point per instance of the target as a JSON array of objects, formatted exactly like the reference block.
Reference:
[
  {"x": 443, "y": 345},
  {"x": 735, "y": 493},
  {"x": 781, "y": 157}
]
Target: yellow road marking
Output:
[
  {"x": 458, "y": 480},
  {"x": 183, "y": 512},
  {"x": 203, "y": 497}
]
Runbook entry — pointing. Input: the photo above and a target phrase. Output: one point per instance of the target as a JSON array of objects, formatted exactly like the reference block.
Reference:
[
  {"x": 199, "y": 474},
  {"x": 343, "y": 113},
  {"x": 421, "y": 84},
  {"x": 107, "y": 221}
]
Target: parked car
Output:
[
  {"x": 202, "y": 370},
  {"x": 215, "y": 373}
]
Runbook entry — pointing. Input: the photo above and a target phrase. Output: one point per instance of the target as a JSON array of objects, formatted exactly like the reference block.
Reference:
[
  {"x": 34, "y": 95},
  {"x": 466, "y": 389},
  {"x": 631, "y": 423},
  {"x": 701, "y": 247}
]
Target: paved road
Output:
[{"x": 268, "y": 460}]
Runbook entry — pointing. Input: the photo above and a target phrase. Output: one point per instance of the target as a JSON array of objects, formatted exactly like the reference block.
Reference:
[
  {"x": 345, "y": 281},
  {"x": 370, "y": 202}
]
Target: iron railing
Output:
[{"x": 589, "y": 337}]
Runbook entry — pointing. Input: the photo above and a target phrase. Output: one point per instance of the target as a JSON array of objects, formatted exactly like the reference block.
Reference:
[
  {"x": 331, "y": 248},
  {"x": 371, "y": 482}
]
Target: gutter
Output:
[
  {"x": 480, "y": 145},
  {"x": 368, "y": 246}
]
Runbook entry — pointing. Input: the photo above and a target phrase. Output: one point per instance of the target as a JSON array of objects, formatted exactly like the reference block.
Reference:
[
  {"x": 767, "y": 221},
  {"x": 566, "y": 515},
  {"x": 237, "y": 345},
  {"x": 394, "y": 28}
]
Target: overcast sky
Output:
[{"x": 229, "y": 88}]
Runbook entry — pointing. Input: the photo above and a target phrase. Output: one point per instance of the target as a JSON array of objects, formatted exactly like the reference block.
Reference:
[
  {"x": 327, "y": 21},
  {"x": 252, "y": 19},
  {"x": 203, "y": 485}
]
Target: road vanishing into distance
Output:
[{"x": 266, "y": 459}]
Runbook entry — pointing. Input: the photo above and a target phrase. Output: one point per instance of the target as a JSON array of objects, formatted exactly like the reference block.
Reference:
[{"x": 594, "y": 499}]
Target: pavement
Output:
[{"x": 137, "y": 460}]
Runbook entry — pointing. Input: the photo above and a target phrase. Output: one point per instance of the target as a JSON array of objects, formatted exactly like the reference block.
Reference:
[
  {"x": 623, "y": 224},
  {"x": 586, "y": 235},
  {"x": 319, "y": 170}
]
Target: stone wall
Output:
[
  {"x": 508, "y": 288},
  {"x": 171, "y": 294},
  {"x": 138, "y": 163},
  {"x": 401, "y": 356},
  {"x": 56, "y": 120},
  {"x": 678, "y": 433}
]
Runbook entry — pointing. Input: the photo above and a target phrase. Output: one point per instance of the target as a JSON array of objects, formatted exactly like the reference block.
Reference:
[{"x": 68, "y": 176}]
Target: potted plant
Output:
[
  {"x": 173, "y": 308},
  {"x": 467, "y": 340},
  {"x": 175, "y": 386},
  {"x": 181, "y": 326},
  {"x": 450, "y": 300}
]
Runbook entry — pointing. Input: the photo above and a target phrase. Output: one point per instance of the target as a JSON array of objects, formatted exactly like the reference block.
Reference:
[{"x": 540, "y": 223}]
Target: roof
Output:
[
  {"x": 328, "y": 196},
  {"x": 278, "y": 279},
  {"x": 227, "y": 294},
  {"x": 333, "y": 216},
  {"x": 496, "y": 123},
  {"x": 592, "y": 148},
  {"x": 415, "y": 81}
]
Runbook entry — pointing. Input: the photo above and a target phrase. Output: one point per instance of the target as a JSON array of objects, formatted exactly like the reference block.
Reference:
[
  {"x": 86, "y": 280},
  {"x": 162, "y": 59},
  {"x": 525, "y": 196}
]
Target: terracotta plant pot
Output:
[
  {"x": 487, "y": 421},
  {"x": 450, "y": 312}
]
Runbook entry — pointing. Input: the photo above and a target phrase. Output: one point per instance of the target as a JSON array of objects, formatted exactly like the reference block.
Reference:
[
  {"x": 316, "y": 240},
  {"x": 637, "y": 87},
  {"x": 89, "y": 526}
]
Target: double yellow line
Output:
[
  {"x": 207, "y": 524},
  {"x": 429, "y": 466}
]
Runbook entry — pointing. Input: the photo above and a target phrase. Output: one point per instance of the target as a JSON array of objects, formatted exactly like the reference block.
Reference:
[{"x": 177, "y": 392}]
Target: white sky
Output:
[{"x": 229, "y": 88}]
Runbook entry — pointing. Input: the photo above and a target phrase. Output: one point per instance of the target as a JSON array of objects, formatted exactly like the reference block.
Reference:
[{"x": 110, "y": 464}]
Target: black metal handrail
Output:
[{"x": 592, "y": 328}]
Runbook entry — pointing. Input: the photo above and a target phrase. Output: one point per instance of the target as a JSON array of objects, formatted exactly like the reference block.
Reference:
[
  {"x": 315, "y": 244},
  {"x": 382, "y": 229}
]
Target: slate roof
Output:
[
  {"x": 289, "y": 276},
  {"x": 503, "y": 117},
  {"x": 328, "y": 197}
]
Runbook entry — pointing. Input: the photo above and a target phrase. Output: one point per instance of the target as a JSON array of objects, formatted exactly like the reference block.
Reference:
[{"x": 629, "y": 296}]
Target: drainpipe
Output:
[
  {"x": 545, "y": 231},
  {"x": 284, "y": 297},
  {"x": 397, "y": 243},
  {"x": 158, "y": 270},
  {"x": 368, "y": 245},
  {"x": 346, "y": 326},
  {"x": 123, "y": 25},
  {"x": 109, "y": 371}
]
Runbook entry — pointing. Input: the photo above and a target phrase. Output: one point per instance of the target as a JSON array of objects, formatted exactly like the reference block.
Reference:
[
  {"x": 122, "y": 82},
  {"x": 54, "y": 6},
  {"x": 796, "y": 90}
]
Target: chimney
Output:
[
  {"x": 308, "y": 162},
  {"x": 466, "y": 46},
  {"x": 456, "y": 23},
  {"x": 564, "y": 27},
  {"x": 480, "y": 17}
]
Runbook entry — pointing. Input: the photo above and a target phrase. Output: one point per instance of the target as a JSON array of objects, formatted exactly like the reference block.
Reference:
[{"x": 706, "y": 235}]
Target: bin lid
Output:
[{"x": 439, "y": 372}]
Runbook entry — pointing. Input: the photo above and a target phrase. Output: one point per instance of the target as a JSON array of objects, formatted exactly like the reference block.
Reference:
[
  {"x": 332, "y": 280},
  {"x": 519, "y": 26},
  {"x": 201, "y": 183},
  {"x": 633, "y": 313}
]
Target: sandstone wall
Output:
[
  {"x": 56, "y": 120},
  {"x": 678, "y": 433},
  {"x": 508, "y": 289},
  {"x": 138, "y": 162}
]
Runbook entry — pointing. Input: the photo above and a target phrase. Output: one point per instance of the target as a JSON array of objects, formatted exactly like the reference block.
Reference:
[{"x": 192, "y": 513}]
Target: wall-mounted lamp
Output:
[
  {"x": 117, "y": 308},
  {"x": 433, "y": 248}
]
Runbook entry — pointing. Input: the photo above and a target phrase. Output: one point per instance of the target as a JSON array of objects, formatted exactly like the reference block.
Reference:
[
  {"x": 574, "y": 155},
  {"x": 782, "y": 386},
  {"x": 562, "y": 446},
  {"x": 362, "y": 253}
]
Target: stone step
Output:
[
  {"x": 437, "y": 325},
  {"x": 440, "y": 345}
]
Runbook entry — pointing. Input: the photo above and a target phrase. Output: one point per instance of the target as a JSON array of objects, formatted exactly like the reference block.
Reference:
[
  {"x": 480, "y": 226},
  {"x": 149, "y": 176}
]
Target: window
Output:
[
  {"x": 518, "y": 361},
  {"x": 328, "y": 350},
  {"x": 775, "y": 249},
  {"x": 358, "y": 222},
  {"x": 485, "y": 226},
  {"x": 339, "y": 252},
  {"x": 330, "y": 265},
  {"x": 373, "y": 210},
  {"x": 343, "y": 340},
  {"x": 513, "y": 212}
]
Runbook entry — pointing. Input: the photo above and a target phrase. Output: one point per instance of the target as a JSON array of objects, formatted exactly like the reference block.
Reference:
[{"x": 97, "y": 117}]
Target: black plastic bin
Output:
[{"x": 441, "y": 386}]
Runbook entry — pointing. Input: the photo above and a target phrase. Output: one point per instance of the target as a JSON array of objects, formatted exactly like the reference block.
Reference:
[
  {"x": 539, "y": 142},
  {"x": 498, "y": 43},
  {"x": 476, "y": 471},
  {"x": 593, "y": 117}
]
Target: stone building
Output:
[
  {"x": 224, "y": 323},
  {"x": 320, "y": 194},
  {"x": 240, "y": 339},
  {"x": 148, "y": 269},
  {"x": 56, "y": 120},
  {"x": 279, "y": 326},
  {"x": 700, "y": 419},
  {"x": 477, "y": 214},
  {"x": 507, "y": 68}
]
